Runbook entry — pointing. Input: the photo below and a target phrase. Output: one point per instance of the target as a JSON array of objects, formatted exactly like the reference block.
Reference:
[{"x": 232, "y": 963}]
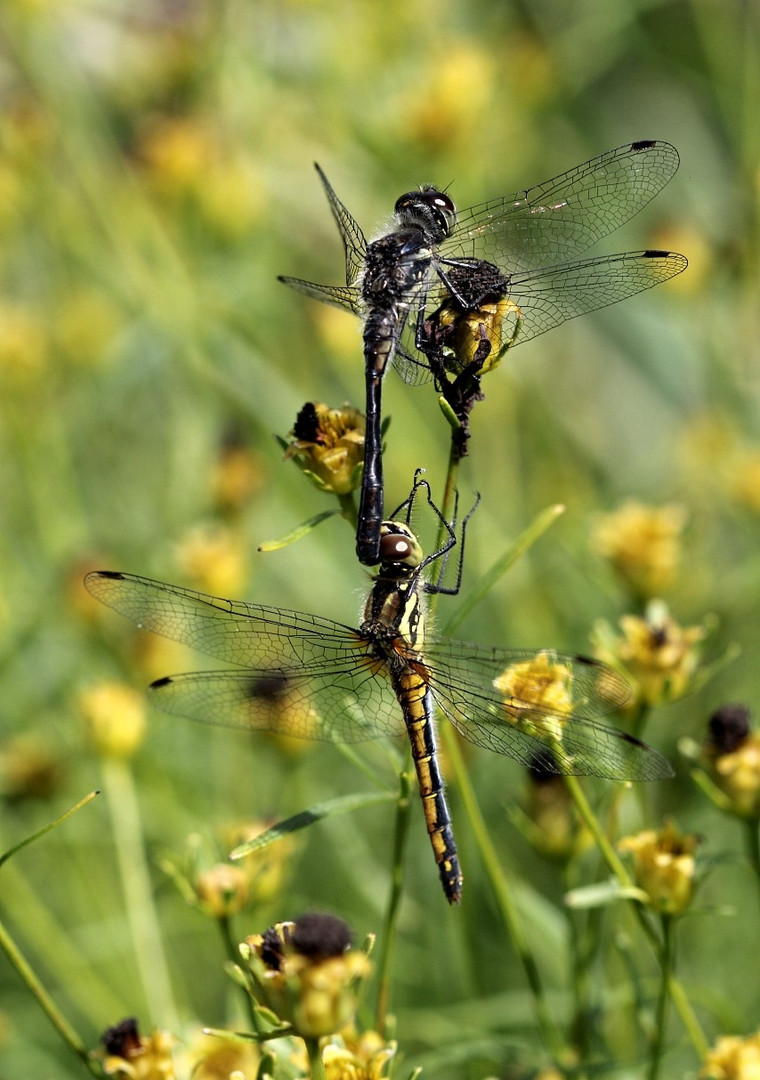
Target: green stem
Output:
[
  {"x": 316, "y": 1065},
  {"x": 752, "y": 837},
  {"x": 230, "y": 947},
  {"x": 390, "y": 933},
  {"x": 666, "y": 971},
  {"x": 503, "y": 893},
  {"x": 610, "y": 856},
  {"x": 46, "y": 1003},
  {"x": 138, "y": 892}
]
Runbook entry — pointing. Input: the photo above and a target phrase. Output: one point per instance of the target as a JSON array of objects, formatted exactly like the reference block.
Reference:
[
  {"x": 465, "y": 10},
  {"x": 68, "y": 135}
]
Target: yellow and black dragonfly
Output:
[
  {"x": 309, "y": 677},
  {"x": 511, "y": 261}
]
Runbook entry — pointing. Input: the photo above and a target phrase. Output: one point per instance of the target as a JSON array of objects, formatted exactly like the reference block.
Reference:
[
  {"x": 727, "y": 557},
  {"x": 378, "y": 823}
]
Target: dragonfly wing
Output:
[
  {"x": 555, "y": 725},
  {"x": 334, "y": 704},
  {"x": 346, "y": 297},
  {"x": 563, "y": 217},
  {"x": 547, "y": 298},
  {"x": 247, "y": 635},
  {"x": 354, "y": 241}
]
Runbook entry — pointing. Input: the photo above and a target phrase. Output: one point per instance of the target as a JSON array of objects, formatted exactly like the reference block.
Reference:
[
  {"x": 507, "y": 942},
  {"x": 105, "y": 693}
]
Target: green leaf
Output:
[
  {"x": 516, "y": 550},
  {"x": 345, "y": 804},
  {"x": 47, "y": 828},
  {"x": 601, "y": 894},
  {"x": 300, "y": 531}
]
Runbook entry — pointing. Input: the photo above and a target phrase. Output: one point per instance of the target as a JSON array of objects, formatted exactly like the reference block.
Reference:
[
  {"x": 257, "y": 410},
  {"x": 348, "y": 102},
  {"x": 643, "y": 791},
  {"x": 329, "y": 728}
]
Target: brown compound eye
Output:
[{"x": 394, "y": 548}]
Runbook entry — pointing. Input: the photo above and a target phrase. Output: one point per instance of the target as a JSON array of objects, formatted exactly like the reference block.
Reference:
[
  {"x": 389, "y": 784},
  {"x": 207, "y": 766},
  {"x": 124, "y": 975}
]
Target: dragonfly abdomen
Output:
[{"x": 417, "y": 705}]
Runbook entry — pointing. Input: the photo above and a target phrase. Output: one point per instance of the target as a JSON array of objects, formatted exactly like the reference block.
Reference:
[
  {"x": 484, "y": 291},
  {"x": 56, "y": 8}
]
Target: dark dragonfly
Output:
[
  {"x": 417, "y": 286},
  {"x": 309, "y": 677}
]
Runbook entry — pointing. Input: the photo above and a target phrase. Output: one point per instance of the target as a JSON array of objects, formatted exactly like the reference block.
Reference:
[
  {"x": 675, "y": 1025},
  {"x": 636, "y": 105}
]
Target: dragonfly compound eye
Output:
[
  {"x": 430, "y": 210},
  {"x": 398, "y": 545}
]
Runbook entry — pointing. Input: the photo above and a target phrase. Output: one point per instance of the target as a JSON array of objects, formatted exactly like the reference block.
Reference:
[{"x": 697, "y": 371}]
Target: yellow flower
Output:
[
  {"x": 358, "y": 1057},
  {"x": 29, "y": 769},
  {"x": 115, "y": 716},
  {"x": 329, "y": 446},
  {"x": 745, "y": 479},
  {"x": 238, "y": 475},
  {"x": 307, "y": 972},
  {"x": 659, "y": 655},
  {"x": 733, "y": 1058},
  {"x": 217, "y": 1058},
  {"x": 265, "y": 869},
  {"x": 214, "y": 557},
  {"x": 643, "y": 544},
  {"x": 664, "y": 867},
  {"x": 732, "y": 758},
  {"x": 544, "y": 683},
  {"x": 134, "y": 1057},
  {"x": 222, "y": 891}
]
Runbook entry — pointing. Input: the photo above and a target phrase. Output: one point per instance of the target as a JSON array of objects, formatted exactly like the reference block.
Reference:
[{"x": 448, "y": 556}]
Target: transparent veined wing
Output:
[
  {"x": 559, "y": 219},
  {"x": 305, "y": 676},
  {"x": 540, "y": 706}
]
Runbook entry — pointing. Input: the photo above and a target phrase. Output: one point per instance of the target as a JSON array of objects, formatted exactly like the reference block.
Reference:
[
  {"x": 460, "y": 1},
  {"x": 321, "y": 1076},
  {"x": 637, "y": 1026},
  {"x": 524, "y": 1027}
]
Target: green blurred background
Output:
[{"x": 155, "y": 177}]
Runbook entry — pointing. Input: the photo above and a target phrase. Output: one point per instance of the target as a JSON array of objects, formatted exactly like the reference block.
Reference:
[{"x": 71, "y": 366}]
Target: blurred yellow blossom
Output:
[
  {"x": 664, "y": 866},
  {"x": 307, "y": 973},
  {"x": 358, "y": 1056},
  {"x": 237, "y": 475},
  {"x": 23, "y": 345},
  {"x": 660, "y": 656},
  {"x": 733, "y": 1058},
  {"x": 643, "y": 544},
  {"x": 214, "y": 557},
  {"x": 216, "y": 1058},
  {"x": 222, "y": 891},
  {"x": 328, "y": 445},
  {"x": 731, "y": 756},
  {"x": 745, "y": 479},
  {"x": 131, "y": 1056},
  {"x": 115, "y": 717},
  {"x": 265, "y": 869}
]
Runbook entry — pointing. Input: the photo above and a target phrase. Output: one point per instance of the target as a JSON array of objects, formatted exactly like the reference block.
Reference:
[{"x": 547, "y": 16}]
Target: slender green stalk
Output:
[
  {"x": 666, "y": 971},
  {"x": 46, "y": 1003},
  {"x": 503, "y": 893},
  {"x": 494, "y": 869},
  {"x": 138, "y": 892},
  {"x": 390, "y": 932},
  {"x": 316, "y": 1065},
  {"x": 752, "y": 838},
  {"x": 610, "y": 856},
  {"x": 230, "y": 947}
]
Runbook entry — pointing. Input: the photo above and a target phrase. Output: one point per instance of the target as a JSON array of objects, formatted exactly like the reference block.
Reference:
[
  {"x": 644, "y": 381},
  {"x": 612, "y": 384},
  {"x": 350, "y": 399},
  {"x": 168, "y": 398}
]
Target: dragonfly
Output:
[
  {"x": 307, "y": 676},
  {"x": 518, "y": 251}
]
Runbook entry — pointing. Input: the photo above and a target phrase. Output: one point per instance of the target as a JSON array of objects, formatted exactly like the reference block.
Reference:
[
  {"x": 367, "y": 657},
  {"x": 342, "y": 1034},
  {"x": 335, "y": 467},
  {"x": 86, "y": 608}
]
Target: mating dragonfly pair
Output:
[
  {"x": 443, "y": 294},
  {"x": 303, "y": 675},
  {"x": 446, "y": 293}
]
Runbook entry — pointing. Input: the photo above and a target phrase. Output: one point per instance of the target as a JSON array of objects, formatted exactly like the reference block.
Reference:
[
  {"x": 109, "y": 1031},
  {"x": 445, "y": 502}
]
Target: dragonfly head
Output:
[
  {"x": 400, "y": 551},
  {"x": 430, "y": 210}
]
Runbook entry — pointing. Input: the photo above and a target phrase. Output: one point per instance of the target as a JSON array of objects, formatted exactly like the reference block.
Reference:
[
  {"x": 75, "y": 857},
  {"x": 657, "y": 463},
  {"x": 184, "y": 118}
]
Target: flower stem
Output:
[
  {"x": 610, "y": 856},
  {"x": 138, "y": 893},
  {"x": 46, "y": 1003},
  {"x": 316, "y": 1065},
  {"x": 752, "y": 835},
  {"x": 666, "y": 971},
  {"x": 390, "y": 934}
]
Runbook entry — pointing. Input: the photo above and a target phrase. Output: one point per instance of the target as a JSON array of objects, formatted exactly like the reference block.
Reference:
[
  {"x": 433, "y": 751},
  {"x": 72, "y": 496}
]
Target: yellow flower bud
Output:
[
  {"x": 733, "y": 1058},
  {"x": 222, "y": 891},
  {"x": 306, "y": 972},
  {"x": 329, "y": 446},
  {"x": 664, "y": 867},
  {"x": 643, "y": 544},
  {"x": 115, "y": 716}
]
